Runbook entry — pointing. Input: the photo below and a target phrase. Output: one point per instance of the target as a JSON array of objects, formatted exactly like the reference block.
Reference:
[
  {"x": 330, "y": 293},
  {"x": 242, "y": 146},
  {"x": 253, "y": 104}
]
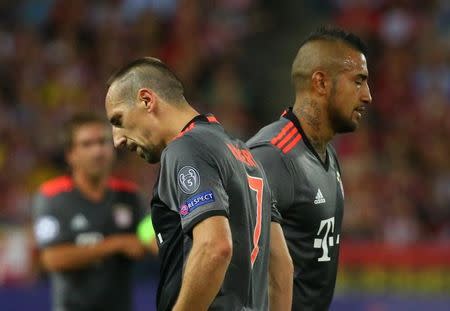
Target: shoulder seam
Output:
[
  {"x": 122, "y": 185},
  {"x": 283, "y": 132},
  {"x": 270, "y": 145},
  {"x": 205, "y": 149},
  {"x": 288, "y": 164},
  {"x": 55, "y": 186}
]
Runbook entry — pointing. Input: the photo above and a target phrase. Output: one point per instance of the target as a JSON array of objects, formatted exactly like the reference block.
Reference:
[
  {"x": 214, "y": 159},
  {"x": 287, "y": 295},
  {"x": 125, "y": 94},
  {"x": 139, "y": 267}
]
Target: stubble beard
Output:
[{"x": 340, "y": 123}]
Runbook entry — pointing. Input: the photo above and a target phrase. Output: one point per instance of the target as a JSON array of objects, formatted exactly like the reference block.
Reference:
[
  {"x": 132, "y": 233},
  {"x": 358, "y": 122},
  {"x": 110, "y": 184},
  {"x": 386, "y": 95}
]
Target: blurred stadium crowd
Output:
[{"x": 55, "y": 57}]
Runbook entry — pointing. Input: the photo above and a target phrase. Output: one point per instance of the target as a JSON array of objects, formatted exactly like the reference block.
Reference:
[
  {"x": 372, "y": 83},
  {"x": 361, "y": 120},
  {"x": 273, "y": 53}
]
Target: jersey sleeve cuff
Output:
[
  {"x": 192, "y": 223},
  {"x": 276, "y": 219}
]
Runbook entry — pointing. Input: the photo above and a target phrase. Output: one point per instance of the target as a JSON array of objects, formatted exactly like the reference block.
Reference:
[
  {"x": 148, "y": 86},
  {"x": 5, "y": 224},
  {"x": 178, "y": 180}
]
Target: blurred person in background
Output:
[
  {"x": 86, "y": 224},
  {"x": 330, "y": 79},
  {"x": 212, "y": 208}
]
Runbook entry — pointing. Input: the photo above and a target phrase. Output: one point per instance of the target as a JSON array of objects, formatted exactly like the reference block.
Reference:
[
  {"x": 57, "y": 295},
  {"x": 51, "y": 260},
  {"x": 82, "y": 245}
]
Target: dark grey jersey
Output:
[
  {"x": 62, "y": 214},
  {"x": 206, "y": 173},
  {"x": 310, "y": 200}
]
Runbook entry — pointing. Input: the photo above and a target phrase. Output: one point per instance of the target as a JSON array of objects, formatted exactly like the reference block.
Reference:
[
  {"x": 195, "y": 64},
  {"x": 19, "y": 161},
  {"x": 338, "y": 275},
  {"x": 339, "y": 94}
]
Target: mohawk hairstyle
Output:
[
  {"x": 153, "y": 73},
  {"x": 329, "y": 33}
]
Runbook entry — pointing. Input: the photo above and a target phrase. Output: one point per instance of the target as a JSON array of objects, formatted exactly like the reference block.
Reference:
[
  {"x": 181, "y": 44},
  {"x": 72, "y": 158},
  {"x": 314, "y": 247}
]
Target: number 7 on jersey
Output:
[{"x": 256, "y": 184}]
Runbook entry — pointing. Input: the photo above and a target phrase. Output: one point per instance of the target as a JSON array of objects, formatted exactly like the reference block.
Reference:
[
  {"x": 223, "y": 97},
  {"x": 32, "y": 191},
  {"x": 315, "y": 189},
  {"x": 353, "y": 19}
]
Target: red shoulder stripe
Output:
[
  {"x": 287, "y": 138},
  {"x": 189, "y": 128},
  {"x": 292, "y": 144},
  {"x": 212, "y": 119},
  {"x": 122, "y": 185},
  {"x": 56, "y": 186},
  {"x": 283, "y": 132}
]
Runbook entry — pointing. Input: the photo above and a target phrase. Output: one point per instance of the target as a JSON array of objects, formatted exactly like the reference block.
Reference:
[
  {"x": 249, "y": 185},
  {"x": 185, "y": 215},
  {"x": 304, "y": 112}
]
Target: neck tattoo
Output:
[{"x": 309, "y": 114}]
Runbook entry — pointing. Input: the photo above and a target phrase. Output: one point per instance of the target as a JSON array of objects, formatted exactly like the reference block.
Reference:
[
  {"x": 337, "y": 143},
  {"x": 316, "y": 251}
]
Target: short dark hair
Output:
[
  {"x": 330, "y": 33},
  {"x": 153, "y": 73},
  {"x": 74, "y": 122}
]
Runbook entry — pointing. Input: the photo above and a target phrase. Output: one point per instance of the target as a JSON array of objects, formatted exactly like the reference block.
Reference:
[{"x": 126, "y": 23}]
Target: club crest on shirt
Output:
[
  {"x": 123, "y": 216},
  {"x": 188, "y": 179}
]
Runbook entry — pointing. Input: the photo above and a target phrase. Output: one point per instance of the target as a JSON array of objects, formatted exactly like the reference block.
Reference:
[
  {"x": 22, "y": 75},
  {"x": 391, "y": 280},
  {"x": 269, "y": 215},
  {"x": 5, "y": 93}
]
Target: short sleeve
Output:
[
  {"x": 191, "y": 183},
  {"x": 275, "y": 215},
  {"x": 48, "y": 224},
  {"x": 278, "y": 175}
]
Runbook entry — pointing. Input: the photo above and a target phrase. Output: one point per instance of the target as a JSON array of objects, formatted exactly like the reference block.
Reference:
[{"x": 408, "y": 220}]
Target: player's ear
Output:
[
  {"x": 320, "y": 82},
  {"x": 147, "y": 98}
]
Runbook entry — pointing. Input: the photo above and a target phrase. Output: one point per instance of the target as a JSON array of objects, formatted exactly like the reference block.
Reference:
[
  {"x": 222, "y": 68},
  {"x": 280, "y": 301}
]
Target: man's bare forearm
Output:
[
  {"x": 66, "y": 257},
  {"x": 205, "y": 269},
  {"x": 280, "y": 271}
]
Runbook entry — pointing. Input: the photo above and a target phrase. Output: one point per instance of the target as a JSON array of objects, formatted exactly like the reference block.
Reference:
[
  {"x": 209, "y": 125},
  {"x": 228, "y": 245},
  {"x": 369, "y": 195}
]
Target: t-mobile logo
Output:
[{"x": 326, "y": 241}]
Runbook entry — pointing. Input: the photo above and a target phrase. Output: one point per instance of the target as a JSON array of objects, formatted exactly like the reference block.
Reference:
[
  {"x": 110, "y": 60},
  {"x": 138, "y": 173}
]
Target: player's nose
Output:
[
  {"x": 366, "y": 96},
  {"x": 119, "y": 140}
]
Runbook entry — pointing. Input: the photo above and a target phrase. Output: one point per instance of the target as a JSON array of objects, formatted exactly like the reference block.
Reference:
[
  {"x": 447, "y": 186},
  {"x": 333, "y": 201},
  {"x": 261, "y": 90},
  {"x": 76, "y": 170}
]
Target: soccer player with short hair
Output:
[
  {"x": 211, "y": 208},
  {"x": 85, "y": 224},
  {"x": 330, "y": 79}
]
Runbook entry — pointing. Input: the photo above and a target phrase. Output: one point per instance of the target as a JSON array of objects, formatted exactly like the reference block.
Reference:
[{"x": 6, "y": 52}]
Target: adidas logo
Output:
[{"x": 319, "y": 198}]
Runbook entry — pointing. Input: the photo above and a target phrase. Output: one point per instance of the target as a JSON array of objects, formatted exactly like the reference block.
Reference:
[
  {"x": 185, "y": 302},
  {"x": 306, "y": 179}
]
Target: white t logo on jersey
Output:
[{"x": 326, "y": 225}]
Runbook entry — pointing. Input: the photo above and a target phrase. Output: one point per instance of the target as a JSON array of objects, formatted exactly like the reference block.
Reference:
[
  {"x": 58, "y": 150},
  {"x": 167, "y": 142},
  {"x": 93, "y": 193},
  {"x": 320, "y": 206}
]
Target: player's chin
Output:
[
  {"x": 98, "y": 171},
  {"x": 148, "y": 156},
  {"x": 354, "y": 124},
  {"x": 151, "y": 160},
  {"x": 347, "y": 127},
  {"x": 355, "y": 121}
]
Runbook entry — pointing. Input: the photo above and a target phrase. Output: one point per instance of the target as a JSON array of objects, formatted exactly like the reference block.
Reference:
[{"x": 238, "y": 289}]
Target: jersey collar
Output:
[
  {"x": 289, "y": 114},
  {"x": 207, "y": 118}
]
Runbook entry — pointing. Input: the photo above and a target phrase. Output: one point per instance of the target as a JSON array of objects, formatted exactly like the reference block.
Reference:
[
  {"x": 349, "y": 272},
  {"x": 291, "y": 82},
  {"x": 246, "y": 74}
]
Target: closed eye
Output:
[
  {"x": 116, "y": 120},
  {"x": 360, "y": 79}
]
